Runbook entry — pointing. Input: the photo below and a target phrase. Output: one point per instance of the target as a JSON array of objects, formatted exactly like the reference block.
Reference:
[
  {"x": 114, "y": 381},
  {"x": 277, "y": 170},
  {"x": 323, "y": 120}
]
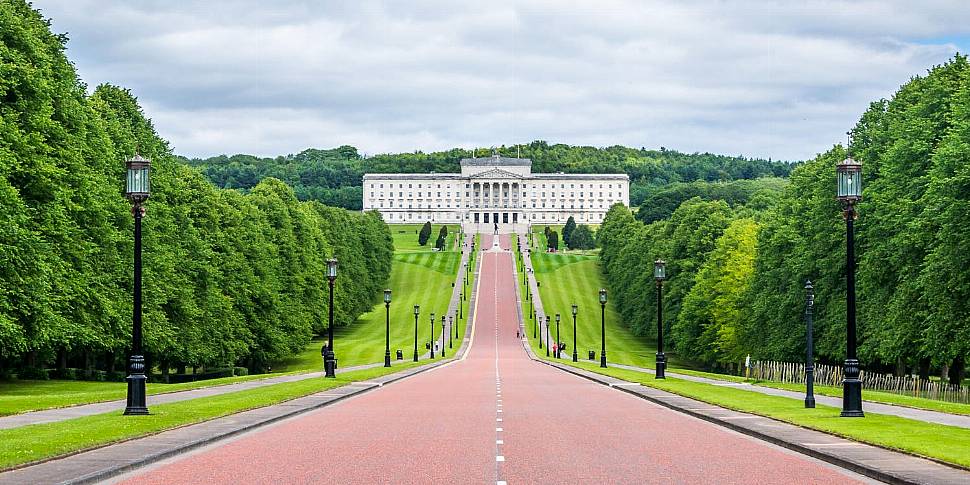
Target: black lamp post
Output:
[
  {"x": 849, "y": 181},
  {"x": 660, "y": 274},
  {"x": 575, "y": 354},
  {"x": 433, "y": 341},
  {"x": 603, "y": 326},
  {"x": 137, "y": 191},
  {"x": 809, "y": 358},
  {"x": 450, "y": 334},
  {"x": 457, "y": 323},
  {"x": 387, "y": 328},
  {"x": 329, "y": 358},
  {"x": 417, "y": 311},
  {"x": 558, "y": 339},
  {"x": 539, "y": 325},
  {"x": 443, "y": 336},
  {"x": 547, "y": 335}
]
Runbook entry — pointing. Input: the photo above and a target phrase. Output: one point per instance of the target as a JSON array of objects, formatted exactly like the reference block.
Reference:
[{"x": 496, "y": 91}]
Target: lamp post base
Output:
[
  {"x": 661, "y": 366},
  {"x": 415, "y": 355},
  {"x": 136, "y": 387},
  {"x": 387, "y": 359},
  {"x": 330, "y": 364},
  {"x": 852, "y": 391},
  {"x": 603, "y": 359},
  {"x": 575, "y": 355}
]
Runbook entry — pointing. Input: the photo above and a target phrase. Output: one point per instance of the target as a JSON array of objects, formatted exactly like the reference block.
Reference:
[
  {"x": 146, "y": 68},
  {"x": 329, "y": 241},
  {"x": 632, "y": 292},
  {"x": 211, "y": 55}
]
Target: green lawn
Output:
[
  {"x": 946, "y": 443},
  {"x": 876, "y": 396},
  {"x": 566, "y": 279},
  {"x": 417, "y": 278},
  {"x": 406, "y": 237},
  {"x": 36, "y": 442},
  {"x": 23, "y": 396}
]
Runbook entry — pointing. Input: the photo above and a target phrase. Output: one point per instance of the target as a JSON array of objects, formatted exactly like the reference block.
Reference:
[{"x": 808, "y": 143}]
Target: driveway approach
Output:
[{"x": 494, "y": 417}]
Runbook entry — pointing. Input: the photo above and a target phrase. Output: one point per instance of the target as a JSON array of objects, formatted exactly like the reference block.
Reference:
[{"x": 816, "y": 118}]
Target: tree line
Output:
[
  {"x": 737, "y": 274},
  {"x": 229, "y": 278},
  {"x": 334, "y": 176}
]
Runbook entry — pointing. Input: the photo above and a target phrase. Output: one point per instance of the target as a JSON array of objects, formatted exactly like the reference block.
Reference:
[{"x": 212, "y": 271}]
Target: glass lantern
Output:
[
  {"x": 137, "y": 186},
  {"x": 387, "y": 296},
  {"x": 575, "y": 310},
  {"x": 849, "y": 180},
  {"x": 660, "y": 270},
  {"x": 332, "y": 268},
  {"x": 603, "y": 296}
]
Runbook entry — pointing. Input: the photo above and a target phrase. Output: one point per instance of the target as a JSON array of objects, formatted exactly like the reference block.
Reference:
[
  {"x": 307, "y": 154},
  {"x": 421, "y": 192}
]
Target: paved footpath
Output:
[{"x": 495, "y": 416}]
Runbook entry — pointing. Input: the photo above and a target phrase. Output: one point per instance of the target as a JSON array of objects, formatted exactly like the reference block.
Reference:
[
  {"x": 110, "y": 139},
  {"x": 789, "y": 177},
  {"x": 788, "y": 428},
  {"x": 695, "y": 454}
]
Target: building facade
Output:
[{"x": 492, "y": 190}]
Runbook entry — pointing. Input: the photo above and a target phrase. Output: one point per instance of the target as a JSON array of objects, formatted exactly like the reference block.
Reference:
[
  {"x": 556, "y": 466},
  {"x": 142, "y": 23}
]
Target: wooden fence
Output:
[{"x": 831, "y": 375}]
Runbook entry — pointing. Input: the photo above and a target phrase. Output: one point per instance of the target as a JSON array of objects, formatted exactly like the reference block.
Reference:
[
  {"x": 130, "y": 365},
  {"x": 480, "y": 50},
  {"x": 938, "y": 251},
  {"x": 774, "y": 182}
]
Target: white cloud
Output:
[{"x": 780, "y": 79}]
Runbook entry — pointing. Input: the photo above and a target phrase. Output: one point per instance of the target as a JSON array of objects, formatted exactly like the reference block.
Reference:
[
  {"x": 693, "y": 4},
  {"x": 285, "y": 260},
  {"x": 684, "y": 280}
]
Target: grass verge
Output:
[
  {"x": 41, "y": 441},
  {"x": 25, "y": 396}
]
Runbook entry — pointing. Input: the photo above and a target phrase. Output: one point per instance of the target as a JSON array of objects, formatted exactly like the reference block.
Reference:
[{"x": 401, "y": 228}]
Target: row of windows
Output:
[
  {"x": 467, "y": 194},
  {"x": 552, "y": 205},
  {"x": 468, "y": 217},
  {"x": 468, "y": 186}
]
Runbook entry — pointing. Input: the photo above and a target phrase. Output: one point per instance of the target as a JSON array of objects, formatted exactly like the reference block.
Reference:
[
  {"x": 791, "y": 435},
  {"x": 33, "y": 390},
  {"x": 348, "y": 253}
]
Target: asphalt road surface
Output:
[{"x": 494, "y": 417}]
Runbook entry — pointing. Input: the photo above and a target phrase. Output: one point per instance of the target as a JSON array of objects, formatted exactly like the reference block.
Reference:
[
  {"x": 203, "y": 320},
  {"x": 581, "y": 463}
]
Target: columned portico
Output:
[{"x": 494, "y": 190}]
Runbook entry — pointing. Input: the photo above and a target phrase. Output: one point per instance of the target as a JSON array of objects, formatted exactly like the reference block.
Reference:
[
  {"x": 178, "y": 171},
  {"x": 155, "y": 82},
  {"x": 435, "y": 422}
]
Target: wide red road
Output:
[{"x": 494, "y": 417}]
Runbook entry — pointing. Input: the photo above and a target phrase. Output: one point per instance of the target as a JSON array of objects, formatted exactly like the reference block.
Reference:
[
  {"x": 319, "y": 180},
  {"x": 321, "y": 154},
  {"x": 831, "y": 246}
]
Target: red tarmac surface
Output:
[{"x": 442, "y": 427}]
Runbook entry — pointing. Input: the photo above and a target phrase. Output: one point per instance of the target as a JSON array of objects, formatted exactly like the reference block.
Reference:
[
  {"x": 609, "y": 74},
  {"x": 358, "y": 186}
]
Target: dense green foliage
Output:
[
  {"x": 737, "y": 274},
  {"x": 567, "y": 231},
  {"x": 662, "y": 202},
  {"x": 228, "y": 278},
  {"x": 334, "y": 176},
  {"x": 581, "y": 238}
]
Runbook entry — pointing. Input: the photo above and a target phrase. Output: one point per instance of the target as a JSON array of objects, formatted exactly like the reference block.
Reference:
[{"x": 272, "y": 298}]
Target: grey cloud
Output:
[{"x": 778, "y": 79}]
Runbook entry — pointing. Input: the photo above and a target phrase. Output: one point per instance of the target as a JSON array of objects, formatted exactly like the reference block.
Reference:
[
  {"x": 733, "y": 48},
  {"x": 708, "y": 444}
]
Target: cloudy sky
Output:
[{"x": 781, "y": 79}]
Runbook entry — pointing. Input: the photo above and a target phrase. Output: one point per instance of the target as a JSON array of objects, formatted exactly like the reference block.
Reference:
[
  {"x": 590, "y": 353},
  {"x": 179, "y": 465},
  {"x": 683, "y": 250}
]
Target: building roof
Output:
[{"x": 496, "y": 161}]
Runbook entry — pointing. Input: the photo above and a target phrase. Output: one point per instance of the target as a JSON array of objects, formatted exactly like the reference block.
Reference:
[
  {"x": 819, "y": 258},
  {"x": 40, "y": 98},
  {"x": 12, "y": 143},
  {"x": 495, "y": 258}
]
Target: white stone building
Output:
[{"x": 494, "y": 190}]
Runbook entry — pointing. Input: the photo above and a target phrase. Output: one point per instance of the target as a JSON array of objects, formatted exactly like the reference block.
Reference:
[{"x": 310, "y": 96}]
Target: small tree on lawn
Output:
[
  {"x": 552, "y": 242},
  {"x": 582, "y": 238},
  {"x": 567, "y": 232},
  {"x": 425, "y": 233},
  {"x": 442, "y": 237}
]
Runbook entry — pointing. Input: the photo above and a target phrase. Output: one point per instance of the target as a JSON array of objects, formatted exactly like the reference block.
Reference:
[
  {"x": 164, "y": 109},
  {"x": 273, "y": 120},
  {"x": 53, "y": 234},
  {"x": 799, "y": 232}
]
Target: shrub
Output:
[{"x": 33, "y": 373}]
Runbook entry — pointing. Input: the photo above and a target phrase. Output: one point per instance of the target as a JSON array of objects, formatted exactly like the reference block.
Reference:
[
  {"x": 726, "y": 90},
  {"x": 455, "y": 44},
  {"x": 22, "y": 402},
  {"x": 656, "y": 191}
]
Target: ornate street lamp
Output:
[
  {"x": 849, "y": 193},
  {"x": 433, "y": 341},
  {"x": 558, "y": 339},
  {"x": 329, "y": 358},
  {"x": 387, "y": 328},
  {"x": 603, "y": 326},
  {"x": 809, "y": 358},
  {"x": 547, "y": 335},
  {"x": 443, "y": 336},
  {"x": 137, "y": 190},
  {"x": 457, "y": 324},
  {"x": 660, "y": 274},
  {"x": 575, "y": 354},
  {"x": 450, "y": 335},
  {"x": 539, "y": 325},
  {"x": 417, "y": 311}
]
